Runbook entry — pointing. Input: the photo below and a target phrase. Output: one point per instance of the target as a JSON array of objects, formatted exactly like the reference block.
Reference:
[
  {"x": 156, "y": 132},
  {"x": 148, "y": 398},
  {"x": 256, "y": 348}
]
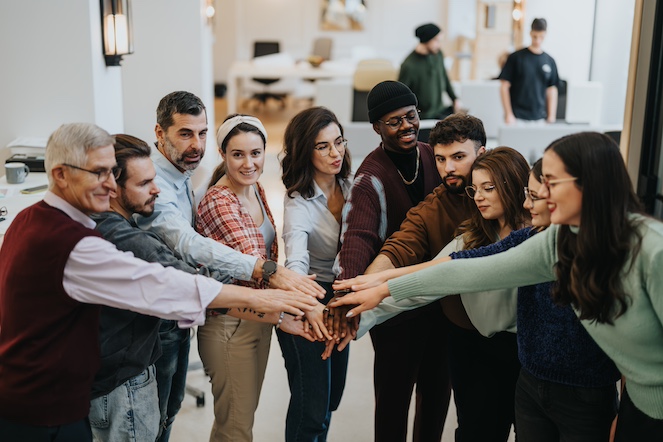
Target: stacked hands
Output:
[{"x": 337, "y": 323}]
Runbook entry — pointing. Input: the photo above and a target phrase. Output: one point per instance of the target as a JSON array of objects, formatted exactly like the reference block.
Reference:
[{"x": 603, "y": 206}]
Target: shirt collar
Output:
[
  {"x": 317, "y": 191},
  {"x": 170, "y": 173},
  {"x": 55, "y": 201}
]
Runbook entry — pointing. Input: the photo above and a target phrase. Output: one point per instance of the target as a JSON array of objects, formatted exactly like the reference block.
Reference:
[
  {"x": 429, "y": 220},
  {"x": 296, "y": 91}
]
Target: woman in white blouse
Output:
[{"x": 316, "y": 174}]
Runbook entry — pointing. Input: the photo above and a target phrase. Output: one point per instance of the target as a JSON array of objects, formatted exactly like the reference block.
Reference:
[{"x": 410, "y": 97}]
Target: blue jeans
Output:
[
  {"x": 171, "y": 373},
  {"x": 551, "y": 412},
  {"x": 128, "y": 413},
  {"x": 316, "y": 386}
]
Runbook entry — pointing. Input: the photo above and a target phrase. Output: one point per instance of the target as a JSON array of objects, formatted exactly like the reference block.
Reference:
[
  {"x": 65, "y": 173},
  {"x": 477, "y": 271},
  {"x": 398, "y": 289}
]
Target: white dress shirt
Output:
[
  {"x": 173, "y": 220},
  {"x": 310, "y": 233},
  {"x": 97, "y": 273}
]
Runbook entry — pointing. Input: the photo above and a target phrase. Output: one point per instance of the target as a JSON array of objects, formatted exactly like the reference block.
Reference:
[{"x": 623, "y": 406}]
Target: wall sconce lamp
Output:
[{"x": 116, "y": 30}]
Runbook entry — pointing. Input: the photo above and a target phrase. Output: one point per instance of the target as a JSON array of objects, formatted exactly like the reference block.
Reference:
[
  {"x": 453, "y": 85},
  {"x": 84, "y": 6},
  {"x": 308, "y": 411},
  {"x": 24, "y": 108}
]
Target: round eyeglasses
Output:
[
  {"x": 396, "y": 122},
  {"x": 529, "y": 194},
  {"x": 324, "y": 149},
  {"x": 551, "y": 183},
  {"x": 472, "y": 191}
]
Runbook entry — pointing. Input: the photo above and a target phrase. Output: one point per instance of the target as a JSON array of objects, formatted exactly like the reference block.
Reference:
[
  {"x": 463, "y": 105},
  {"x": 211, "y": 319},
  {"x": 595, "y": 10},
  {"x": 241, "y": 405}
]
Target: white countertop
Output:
[{"x": 15, "y": 201}]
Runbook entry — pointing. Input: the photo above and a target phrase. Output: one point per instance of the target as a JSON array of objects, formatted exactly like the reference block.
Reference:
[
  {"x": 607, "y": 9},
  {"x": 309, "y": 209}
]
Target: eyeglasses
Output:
[
  {"x": 324, "y": 149},
  {"x": 472, "y": 191},
  {"x": 551, "y": 183},
  {"x": 102, "y": 174},
  {"x": 395, "y": 122},
  {"x": 530, "y": 195}
]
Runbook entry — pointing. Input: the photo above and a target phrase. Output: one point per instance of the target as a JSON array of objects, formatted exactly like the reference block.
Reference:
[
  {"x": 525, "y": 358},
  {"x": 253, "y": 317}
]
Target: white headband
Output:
[{"x": 233, "y": 122}]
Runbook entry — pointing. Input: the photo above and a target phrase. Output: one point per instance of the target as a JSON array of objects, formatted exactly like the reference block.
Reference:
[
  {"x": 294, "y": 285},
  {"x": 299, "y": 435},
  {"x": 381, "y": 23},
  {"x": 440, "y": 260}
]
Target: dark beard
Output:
[
  {"x": 144, "y": 210},
  {"x": 458, "y": 189}
]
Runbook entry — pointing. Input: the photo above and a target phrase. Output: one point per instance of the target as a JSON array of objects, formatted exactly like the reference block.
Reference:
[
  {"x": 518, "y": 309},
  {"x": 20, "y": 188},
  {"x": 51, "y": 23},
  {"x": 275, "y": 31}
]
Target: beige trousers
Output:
[{"x": 234, "y": 353}]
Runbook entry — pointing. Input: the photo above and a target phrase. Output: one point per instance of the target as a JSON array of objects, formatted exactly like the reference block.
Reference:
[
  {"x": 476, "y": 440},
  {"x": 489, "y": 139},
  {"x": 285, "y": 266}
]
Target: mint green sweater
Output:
[{"x": 635, "y": 340}]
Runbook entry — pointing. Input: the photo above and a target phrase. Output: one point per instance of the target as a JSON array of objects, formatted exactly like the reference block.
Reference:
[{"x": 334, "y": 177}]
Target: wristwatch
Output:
[{"x": 268, "y": 269}]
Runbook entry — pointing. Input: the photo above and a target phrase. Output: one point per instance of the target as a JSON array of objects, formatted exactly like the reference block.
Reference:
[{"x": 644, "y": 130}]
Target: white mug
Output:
[{"x": 16, "y": 172}]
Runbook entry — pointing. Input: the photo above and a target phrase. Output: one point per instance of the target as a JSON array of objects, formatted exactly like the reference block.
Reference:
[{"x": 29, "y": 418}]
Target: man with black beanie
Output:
[
  {"x": 424, "y": 73},
  {"x": 411, "y": 348}
]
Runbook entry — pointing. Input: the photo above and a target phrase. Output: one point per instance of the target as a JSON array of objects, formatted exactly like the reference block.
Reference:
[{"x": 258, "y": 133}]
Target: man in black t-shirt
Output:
[{"x": 529, "y": 81}]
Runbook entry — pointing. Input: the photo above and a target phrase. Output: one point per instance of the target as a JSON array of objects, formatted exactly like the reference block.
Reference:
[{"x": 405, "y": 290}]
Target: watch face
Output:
[{"x": 269, "y": 268}]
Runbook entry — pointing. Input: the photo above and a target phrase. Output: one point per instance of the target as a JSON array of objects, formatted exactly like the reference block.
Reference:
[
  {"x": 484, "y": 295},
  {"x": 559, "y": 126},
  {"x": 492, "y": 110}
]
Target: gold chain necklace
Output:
[{"x": 416, "y": 172}]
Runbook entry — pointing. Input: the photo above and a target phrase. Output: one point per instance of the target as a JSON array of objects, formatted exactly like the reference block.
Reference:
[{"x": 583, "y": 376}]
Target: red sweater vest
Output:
[{"x": 49, "y": 344}]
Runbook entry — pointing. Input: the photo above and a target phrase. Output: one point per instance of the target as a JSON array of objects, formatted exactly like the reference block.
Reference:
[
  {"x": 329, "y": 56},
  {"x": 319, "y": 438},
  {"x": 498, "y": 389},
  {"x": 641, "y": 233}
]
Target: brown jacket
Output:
[{"x": 426, "y": 230}]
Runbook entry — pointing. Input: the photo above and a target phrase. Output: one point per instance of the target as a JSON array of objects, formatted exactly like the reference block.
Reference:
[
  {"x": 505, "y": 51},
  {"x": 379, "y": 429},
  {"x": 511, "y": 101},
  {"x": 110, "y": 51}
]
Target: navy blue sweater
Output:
[{"x": 552, "y": 344}]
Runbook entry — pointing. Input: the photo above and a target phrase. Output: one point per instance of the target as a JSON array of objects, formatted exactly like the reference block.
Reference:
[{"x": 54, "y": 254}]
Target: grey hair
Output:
[{"x": 71, "y": 143}]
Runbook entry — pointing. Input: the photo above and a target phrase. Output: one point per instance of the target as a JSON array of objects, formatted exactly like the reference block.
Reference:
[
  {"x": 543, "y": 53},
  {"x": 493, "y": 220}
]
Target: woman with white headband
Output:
[{"x": 234, "y": 211}]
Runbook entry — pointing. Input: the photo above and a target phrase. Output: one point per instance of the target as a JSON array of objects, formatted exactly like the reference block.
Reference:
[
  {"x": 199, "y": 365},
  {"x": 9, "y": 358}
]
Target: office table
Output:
[
  {"x": 12, "y": 198},
  {"x": 302, "y": 70}
]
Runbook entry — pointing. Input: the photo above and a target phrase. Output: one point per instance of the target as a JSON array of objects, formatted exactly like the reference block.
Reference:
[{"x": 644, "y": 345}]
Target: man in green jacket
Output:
[{"x": 423, "y": 71}]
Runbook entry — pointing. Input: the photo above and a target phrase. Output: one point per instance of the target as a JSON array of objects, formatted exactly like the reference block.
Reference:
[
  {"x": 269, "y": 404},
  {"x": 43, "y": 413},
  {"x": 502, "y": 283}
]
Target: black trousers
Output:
[
  {"x": 78, "y": 431},
  {"x": 483, "y": 373},
  {"x": 634, "y": 425},
  {"x": 408, "y": 353}
]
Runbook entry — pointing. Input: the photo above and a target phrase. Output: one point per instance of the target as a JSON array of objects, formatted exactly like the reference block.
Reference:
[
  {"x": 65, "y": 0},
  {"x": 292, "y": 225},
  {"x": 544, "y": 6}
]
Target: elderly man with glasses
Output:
[
  {"x": 393, "y": 178},
  {"x": 55, "y": 268}
]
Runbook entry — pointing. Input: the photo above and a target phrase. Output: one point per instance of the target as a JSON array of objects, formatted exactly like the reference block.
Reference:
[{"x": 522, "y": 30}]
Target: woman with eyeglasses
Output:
[
  {"x": 606, "y": 258},
  {"x": 316, "y": 173},
  {"x": 483, "y": 355},
  {"x": 566, "y": 388}
]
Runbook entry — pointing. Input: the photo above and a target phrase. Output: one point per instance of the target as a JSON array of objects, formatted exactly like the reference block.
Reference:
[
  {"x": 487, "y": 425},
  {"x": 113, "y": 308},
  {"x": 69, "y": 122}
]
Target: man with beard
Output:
[
  {"x": 392, "y": 179},
  {"x": 428, "y": 228},
  {"x": 424, "y": 73},
  {"x": 181, "y": 132},
  {"x": 130, "y": 342}
]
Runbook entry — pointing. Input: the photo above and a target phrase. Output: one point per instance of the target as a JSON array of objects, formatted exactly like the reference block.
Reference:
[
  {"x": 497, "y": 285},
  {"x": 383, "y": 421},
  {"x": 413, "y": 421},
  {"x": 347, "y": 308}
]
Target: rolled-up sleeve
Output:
[{"x": 97, "y": 273}]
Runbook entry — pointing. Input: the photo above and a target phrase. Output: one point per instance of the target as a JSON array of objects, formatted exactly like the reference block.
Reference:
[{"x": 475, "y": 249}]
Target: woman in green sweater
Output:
[{"x": 606, "y": 257}]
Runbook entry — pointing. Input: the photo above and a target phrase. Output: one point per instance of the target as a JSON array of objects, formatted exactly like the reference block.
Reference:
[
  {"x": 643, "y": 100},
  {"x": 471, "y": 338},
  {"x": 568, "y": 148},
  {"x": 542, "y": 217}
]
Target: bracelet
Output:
[{"x": 278, "y": 324}]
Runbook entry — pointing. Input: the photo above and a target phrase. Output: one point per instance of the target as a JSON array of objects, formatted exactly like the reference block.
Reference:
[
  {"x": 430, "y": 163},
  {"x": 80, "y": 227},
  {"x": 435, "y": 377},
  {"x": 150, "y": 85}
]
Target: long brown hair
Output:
[
  {"x": 509, "y": 173},
  {"x": 591, "y": 263},
  {"x": 298, "y": 146},
  {"x": 223, "y": 145}
]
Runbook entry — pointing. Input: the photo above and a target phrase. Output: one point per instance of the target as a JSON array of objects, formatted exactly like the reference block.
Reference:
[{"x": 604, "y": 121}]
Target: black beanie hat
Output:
[
  {"x": 386, "y": 97},
  {"x": 426, "y": 32}
]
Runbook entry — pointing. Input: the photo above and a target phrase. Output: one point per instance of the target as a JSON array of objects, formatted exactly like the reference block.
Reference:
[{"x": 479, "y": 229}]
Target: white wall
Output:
[
  {"x": 53, "y": 71},
  {"x": 389, "y": 28},
  {"x": 172, "y": 51},
  {"x": 610, "y": 60},
  {"x": 569, "y": 37}
]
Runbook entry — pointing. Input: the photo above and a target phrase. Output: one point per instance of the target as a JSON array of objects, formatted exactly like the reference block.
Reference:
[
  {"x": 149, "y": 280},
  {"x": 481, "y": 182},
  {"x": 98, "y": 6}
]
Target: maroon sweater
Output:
[
  {"x": 49, "y": 344},
  {"x": 376, "y": 207}
]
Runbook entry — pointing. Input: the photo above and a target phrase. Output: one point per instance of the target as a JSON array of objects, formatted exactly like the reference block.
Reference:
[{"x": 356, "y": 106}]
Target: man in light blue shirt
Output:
[{"x": 181, "y": 132}]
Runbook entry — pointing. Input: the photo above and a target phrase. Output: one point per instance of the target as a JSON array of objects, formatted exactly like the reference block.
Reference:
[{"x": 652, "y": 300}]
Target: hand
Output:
[
  {"x": 458, "y": 105},
  {"x": 510, "y": 119},
  {"x": 295, "y": 327},
  {"x": 362, "y": 282},
  {"x": 329, "y": 346},
  {"x": 316, "y": 321},
  {"x": 337, "y": 322},
  {"x": 551, "y": 120},
  {"x": 364, "y": 299},
  {"x": 275, "y": 301},
  {"x": 286, "y": 279}
]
